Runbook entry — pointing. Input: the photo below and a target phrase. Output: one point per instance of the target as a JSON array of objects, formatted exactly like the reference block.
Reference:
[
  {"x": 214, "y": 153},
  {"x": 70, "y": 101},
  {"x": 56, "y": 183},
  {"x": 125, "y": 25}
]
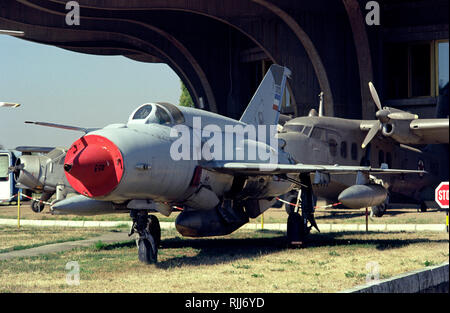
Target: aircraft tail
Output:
[{"x": 265, "y": 105}]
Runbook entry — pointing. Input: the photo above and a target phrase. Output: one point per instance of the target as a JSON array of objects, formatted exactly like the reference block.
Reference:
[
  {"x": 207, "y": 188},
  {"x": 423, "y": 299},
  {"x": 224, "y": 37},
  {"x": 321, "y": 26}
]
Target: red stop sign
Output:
[{"x": 441, "y": 195}]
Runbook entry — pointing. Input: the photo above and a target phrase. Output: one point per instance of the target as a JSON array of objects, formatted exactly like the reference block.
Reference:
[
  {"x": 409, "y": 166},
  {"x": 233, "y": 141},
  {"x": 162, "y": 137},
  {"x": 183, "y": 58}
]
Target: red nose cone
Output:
[{"x": 93, "y": 166}]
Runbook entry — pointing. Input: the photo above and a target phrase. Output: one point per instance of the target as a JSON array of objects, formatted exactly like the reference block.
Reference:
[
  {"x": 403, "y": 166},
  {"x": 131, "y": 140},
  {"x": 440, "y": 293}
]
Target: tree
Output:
[{"x": 185, "y": 97}]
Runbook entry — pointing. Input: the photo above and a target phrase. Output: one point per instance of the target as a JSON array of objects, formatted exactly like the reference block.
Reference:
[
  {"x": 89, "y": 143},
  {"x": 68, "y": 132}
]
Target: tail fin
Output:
[{"x": 264, "y": 108}]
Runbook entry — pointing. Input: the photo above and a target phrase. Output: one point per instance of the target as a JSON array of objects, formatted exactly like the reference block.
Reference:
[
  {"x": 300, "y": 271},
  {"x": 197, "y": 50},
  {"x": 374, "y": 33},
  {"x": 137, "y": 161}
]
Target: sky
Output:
[{"x": 59, "y": 86}]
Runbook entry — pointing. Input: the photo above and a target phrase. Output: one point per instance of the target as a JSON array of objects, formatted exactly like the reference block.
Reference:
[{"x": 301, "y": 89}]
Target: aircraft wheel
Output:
[
  {"x": 378, "y": 210},
  {"x": 147, "y": 250},
  {"x": 423, "y": 207},
  {"x": 37, "y": 206},
  {"x": 155, "y": 229},
  {"x": 296, "y": 230}
]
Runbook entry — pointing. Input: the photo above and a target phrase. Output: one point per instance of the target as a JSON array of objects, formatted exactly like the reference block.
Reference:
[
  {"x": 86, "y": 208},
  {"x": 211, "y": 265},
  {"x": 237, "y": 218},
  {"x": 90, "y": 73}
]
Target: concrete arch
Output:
[
  {"x": 176, "y": 43},
  {"x": 310, "y": 50},
  {"x": 363, "y": 54},
  {"x": 58, "y": 37},
  {"x": 212, "y": 12}
]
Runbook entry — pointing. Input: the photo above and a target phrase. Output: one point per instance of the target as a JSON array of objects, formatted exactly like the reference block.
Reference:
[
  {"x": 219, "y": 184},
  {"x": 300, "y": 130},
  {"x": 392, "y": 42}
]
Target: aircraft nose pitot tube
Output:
[{"x": 93, "y": 166}]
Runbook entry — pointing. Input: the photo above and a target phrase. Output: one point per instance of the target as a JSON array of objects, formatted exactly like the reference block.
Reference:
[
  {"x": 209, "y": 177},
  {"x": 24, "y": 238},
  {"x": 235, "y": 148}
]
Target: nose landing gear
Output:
[{"x": 149, "y": 235}]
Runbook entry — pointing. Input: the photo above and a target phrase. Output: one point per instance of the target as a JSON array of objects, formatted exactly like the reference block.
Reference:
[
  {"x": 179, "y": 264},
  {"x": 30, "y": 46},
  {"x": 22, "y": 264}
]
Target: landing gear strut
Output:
[
  {"x": 149, "y": 235},
  {"x": 297, "y": 228},
  {"x": 38, "y": 205}
]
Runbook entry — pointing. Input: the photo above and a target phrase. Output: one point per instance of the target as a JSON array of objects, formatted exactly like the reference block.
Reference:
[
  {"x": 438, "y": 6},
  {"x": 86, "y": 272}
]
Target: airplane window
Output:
[
  {"x": 143, "y": 112},
  {"x": 333, "y": 147},
  {"x": 344, "y": 149},
  {"x": 307, "y": 130},
  {"x": 354, "y": 151},
  {"x": 293, "y": 128},
  {"x": 4, "y": 163},
  {"x": 380, "y": 157},
  {"x": 318, "y": 133},
  {"x": 162, "y": 116},
  {"x": 177, "y": 115}
]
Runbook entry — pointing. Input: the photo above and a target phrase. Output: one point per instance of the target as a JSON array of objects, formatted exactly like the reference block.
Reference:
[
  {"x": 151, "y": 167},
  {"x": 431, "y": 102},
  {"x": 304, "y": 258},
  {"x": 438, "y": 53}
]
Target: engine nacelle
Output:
[
  {"x": 363, "y": 196},
  {"x": 400, "y": 131},
  {"x": 41, "y": 172}
]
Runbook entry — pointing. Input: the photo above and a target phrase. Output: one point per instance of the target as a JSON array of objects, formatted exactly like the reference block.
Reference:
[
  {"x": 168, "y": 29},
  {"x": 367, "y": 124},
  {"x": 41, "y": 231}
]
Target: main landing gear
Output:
[
  {"x": 149, "y": 235},
  {"x": 297, "y": 228}
]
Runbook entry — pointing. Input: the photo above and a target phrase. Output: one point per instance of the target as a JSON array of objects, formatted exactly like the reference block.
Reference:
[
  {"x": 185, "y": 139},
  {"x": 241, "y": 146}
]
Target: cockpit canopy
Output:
[{"x": 157, "y": 113}]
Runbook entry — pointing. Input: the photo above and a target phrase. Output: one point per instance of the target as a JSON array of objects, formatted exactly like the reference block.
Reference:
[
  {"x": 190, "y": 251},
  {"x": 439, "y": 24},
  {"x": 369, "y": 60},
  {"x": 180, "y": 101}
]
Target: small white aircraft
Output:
[{"x": 9, "y": 104}]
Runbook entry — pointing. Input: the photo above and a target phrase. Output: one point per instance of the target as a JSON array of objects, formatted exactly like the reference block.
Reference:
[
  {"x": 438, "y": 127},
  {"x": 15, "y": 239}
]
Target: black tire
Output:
[
  {"x": 146, "y": 253},
  {"x": 37, "y": 206},
  {"x": 423, "y": 207},
  {"x": 378, "y": 210},
  {"x": 155, "y": 229},
  {"x": 295, "y": 228}
]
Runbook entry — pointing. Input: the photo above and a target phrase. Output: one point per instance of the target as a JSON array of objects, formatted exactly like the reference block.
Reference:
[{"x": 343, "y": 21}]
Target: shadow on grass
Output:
[
  {"x": 216, "y": 250},
  {"x": 333, "y": 239},
  {"x": 347, "y": 215}
]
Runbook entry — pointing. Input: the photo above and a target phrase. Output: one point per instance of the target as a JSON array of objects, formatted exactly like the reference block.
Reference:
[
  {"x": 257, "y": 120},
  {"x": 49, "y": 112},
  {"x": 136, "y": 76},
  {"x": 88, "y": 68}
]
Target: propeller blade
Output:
[
  {"x": 371, "y": 134},
  {"x": 403, "y": 116},
  {"x": 375, "y": 97},
  {"x": 12, "y": 169}
]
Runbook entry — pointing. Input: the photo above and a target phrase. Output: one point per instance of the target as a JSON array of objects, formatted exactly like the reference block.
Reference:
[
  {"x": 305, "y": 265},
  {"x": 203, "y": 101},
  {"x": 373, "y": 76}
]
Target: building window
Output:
[
  {"x": 415, "y": 69},
  {"x": 354, "y": 151},
  {"x": 344, "y": 149},
  {"x": 442, "y": 66}
]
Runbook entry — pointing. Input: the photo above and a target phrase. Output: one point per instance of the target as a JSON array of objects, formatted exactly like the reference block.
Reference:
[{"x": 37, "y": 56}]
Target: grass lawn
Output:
[
  {"x": 12, "y": 238},
  {"x": 245, "y": 261}
]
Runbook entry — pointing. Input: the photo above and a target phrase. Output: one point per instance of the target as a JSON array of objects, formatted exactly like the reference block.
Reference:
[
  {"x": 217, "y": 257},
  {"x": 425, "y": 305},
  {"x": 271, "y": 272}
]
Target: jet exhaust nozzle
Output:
[{"x": 363, "y": 196}]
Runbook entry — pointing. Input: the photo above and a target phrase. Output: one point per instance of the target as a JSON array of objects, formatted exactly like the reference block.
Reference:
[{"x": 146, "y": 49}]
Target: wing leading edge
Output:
[{"x": 276, "y": 169}]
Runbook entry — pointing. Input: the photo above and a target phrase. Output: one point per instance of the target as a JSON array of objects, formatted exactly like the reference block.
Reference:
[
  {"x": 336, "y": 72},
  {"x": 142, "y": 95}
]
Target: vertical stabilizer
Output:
[{"x": 265, "y": 106}]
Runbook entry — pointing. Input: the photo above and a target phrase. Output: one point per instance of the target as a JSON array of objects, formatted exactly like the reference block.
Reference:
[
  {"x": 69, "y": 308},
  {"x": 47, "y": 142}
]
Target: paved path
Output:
[
  {"x": 110, "y": 237},
  {"x": 267, "y": 226}
]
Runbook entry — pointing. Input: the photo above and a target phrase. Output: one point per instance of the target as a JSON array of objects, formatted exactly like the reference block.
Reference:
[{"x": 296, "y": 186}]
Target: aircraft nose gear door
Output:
[{"x": 149, "y": 235}]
